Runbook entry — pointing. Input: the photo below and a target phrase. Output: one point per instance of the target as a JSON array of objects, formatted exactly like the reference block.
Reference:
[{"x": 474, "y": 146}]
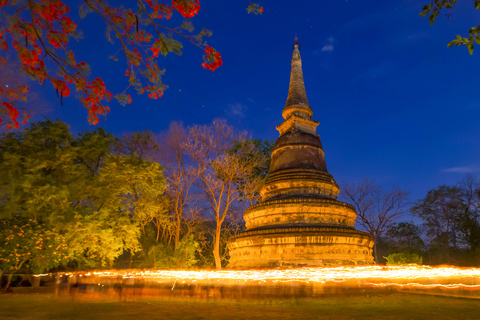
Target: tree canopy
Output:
[
  {"x": 77, "y": 189},
  {"x": 451, "y": 218}
]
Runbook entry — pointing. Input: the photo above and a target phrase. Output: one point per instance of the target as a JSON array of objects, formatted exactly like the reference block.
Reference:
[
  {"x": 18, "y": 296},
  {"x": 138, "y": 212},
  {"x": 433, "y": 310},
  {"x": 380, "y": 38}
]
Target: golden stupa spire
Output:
[{"x": 297, "y": 96}]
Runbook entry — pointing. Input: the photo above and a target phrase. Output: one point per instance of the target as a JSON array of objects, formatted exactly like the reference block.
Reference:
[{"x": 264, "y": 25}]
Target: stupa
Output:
[{"x": 299, "y": 221}]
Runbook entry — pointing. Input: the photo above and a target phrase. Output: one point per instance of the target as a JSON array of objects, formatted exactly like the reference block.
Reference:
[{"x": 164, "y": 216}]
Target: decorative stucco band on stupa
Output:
[{"x": 299, "y": 221}]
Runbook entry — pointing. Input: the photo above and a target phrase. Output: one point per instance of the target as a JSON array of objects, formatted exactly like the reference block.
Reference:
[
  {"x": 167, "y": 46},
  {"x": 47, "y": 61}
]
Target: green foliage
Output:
[
  {"x": 474, "y": 37},
  {"x": 31, "y": 245},
  {"x": 97, "y": 200},
  {"x": 451, "y": 220},
  {"x": 255, "y": 8},
  {"x": 404, "y": 258},
  {"x": 439, "y": 211},
  {"x": 162, "y": 255},
  {"x": 406, "y": 237},
  {"x": 138, "y": 144},
  {"x": 38, "y": 171},
  {"x": 258, "y": 152},
  {"x": 433, "y": 10},
  {"x": 251, "y": 148}
]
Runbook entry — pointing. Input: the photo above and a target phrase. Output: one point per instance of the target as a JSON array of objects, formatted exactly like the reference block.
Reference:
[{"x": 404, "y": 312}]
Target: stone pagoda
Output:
[{"x": 299, "y": 221}]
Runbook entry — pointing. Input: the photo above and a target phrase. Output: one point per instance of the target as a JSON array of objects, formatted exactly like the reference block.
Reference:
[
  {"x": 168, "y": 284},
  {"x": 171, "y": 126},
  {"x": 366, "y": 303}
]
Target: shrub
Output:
[
  {"x": 167, "y": 256},
  {"x": 403, "y": 258}
]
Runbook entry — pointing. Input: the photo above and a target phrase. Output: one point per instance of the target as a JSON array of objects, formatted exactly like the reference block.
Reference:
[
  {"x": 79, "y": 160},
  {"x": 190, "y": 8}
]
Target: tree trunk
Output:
[
  {"x": 177, "y": 231},
  {"x": 36, "y": 282},
  {"x": 216, "y": 248},
  {"x": 9, "y": 280},
  {"x": 375, "y": 255}
]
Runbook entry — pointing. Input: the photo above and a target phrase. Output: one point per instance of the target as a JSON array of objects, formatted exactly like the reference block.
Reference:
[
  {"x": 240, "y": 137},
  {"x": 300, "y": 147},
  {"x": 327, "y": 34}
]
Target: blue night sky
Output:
[{"x": 394, "y": 103}]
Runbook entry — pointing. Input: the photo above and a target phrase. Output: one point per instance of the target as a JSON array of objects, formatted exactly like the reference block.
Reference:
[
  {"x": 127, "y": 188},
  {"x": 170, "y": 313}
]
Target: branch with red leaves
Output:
[{"x": 35, "y": 39}]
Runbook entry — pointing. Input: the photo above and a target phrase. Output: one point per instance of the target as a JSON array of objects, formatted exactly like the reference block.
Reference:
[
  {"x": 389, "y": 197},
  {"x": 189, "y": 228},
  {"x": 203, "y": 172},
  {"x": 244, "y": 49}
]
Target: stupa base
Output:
[{"x": 300, "y": 246}]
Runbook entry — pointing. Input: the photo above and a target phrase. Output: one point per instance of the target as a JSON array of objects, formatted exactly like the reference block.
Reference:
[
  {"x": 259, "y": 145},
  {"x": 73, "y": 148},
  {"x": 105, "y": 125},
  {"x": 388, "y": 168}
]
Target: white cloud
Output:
[
  {"x": 236, "y": 110},
  {"x": 327, "y": 47},
  {"x": 465, "y": 169}
]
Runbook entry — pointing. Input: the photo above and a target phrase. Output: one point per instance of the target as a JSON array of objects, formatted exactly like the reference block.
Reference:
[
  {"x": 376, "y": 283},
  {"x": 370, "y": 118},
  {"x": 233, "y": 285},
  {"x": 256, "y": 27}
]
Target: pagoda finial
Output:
[
  {"x": 296, "y": 43},
  {"x": 297, "y": 101}
]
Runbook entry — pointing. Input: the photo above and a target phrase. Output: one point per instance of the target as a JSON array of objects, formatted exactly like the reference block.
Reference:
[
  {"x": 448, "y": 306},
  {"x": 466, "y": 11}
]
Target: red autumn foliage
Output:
[
  {"x": 35, "y": 37},
  {"x": 213, "y": 59},
  {"x": 188, "y": 8}
]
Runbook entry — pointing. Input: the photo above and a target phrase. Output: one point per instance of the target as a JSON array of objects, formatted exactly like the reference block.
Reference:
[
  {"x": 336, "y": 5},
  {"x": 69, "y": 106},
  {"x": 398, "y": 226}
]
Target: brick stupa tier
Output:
[{"x": 299, "y": 221}]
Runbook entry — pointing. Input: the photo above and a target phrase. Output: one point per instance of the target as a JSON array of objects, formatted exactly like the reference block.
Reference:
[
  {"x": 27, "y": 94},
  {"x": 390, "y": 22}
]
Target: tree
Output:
[
  {"x": 138, "y": 144},
  {"x": 97, "y": 200},
  {"x": 137, "y": 187},
  {"x": 35, "y": 39},
  {"x": 469, "y": 218},
  {"x": 376, "y": 208},
  {"x": 440, "y": 210},
  {"x": 29, "y": 244},
  {"x": 450, "y": 216},
  {"x": 38, "y": 172},
  {"x": 221, "y": 170},
  {"x": 261, "y": 151},
  {"x": 406, "y": 237},
  {"x": 153, "y": 206},
  {"x": 433, "y": 10},
  {"x": 181, "y": 172}
]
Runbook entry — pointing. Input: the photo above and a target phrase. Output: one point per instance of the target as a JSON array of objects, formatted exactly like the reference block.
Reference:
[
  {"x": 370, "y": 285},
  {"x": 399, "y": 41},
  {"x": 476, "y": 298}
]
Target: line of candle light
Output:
[{"x": 410, "y": 275}]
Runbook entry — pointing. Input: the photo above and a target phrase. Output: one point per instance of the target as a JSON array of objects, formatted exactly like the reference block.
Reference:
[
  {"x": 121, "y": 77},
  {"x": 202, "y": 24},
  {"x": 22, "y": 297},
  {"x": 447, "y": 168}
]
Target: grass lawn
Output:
[{"x": 394, "y": 306}]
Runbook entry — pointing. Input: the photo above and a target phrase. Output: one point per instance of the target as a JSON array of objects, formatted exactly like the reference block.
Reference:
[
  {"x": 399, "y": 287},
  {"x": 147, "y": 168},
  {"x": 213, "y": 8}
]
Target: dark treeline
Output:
[{"x": 445, "y": 226}]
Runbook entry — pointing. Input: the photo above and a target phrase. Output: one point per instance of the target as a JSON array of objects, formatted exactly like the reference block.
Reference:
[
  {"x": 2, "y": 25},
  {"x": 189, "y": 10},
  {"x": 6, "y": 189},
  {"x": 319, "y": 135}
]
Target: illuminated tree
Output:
[
  {"x": 220, "y": 171},
  {"x": 29, "y": 245},
  {"x": 124, "y": 197},
  {"x": 154, "y": 204},
  {"x": 98, "y": 200}
]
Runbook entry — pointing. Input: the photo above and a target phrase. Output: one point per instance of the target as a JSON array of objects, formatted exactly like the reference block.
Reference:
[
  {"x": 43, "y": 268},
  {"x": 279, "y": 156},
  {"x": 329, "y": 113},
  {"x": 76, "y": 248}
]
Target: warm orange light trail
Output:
[{"x": 416, "y": 276}]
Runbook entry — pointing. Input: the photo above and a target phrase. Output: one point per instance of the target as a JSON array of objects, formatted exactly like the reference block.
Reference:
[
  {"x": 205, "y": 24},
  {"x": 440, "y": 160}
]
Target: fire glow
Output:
[{"x": 403, "y": 276}]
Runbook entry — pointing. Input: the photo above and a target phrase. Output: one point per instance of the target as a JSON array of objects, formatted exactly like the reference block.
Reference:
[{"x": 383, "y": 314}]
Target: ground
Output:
[{"x": 394, "y": 306}]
